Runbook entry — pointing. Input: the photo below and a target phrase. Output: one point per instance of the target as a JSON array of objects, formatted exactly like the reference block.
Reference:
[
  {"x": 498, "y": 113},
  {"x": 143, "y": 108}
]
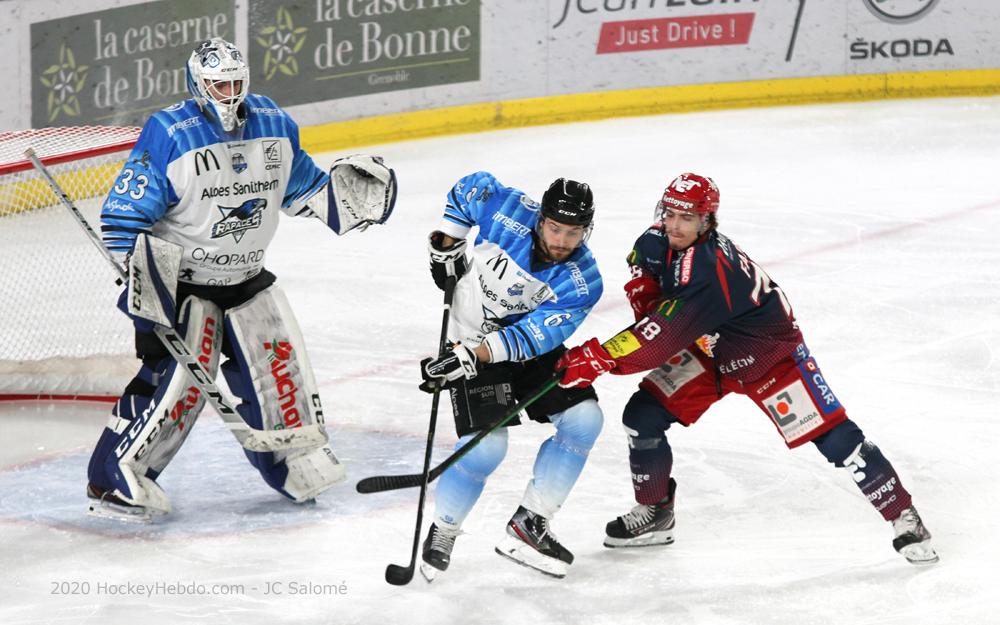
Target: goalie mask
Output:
[{"x": 218, "y": 79}]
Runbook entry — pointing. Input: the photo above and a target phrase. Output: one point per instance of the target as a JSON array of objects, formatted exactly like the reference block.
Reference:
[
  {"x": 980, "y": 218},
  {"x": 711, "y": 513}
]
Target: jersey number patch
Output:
[{"x": 124, "y": 184}]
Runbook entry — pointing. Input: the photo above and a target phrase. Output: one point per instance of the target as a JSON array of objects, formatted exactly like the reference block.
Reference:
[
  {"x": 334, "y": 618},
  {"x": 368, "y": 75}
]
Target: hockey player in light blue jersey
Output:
[
  {"x": 193, "y": 211},
  {"x": 526, "y": 285}
]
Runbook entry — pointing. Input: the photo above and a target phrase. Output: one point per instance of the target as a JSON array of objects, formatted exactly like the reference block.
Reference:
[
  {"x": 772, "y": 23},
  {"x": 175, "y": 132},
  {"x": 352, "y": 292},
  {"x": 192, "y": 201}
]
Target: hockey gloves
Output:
[
  {"x": 361, "y": 192},
  {"x": 460, "y": 362},
  {"x": 446, "y": 261},
  {"x": 583, "y": 364},
  {"x": 642, "y": 292}
]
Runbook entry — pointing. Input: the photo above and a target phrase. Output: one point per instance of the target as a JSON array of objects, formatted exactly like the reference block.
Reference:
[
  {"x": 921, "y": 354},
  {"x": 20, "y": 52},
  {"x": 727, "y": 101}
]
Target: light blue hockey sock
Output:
[
  {"x": 562, "y": 457},
  {"x": 460, "y": 486}
]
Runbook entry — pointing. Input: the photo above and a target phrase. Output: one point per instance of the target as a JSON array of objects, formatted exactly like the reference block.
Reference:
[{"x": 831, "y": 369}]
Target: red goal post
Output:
[{"x": 60, "y": 334}]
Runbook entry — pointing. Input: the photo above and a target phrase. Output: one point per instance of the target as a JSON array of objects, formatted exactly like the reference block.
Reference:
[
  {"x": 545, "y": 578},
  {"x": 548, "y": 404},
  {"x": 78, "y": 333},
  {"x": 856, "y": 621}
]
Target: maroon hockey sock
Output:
[
  {"x": 878, "y": 481},
  {"x": 650, "y": 474}
]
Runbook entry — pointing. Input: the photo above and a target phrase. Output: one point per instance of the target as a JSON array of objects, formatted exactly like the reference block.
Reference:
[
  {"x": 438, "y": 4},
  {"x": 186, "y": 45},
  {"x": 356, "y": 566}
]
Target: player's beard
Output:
[{"x": 553, "y": 255}]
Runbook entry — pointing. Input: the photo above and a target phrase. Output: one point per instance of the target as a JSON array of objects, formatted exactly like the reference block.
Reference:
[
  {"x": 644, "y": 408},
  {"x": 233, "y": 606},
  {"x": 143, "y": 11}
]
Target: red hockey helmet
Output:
[{"x": 690, "y": 193}]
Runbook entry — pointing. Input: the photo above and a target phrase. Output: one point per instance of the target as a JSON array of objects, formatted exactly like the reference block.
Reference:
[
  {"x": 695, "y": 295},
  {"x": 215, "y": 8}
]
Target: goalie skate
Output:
[
  {"x": 530, "y": 543},
  {"x": 644, "y": 525},
  {"x": 104, "y": 504},
  {"x": 912, "y": 539}
]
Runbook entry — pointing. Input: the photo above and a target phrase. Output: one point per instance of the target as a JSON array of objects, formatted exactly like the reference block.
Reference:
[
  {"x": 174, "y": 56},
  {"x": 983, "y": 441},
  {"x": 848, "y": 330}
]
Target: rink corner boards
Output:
[{"x": 470, "y": 118}]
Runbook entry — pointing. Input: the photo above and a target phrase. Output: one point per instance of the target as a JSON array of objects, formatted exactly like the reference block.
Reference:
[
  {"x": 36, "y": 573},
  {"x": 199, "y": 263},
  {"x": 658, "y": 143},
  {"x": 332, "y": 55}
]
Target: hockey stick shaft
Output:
[
  {"x": 250, "y": 438},
  {"x": 395, "y": 574},
  {"x": 380, "y": 483}
]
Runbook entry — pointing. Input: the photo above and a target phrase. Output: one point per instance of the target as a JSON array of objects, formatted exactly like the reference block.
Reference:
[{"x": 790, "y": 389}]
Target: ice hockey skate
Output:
[
  {"x": 912, "y": 538},
  {"x": 106, "y": 505},
  {"x": 437, "y": 551},
  {"x": 644, "y": 525},
  {"x": 530, "y": 542}
]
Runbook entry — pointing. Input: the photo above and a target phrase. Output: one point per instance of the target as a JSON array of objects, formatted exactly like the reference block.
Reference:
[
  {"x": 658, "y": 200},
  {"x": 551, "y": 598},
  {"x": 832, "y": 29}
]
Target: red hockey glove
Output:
[
  {"x": 642, "y": 292},
  {"x": 583, "y": 364}
]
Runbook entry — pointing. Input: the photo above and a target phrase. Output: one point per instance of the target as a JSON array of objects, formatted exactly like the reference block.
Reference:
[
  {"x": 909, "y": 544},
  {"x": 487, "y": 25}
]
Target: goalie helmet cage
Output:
[{"x": 61, "y": 336}]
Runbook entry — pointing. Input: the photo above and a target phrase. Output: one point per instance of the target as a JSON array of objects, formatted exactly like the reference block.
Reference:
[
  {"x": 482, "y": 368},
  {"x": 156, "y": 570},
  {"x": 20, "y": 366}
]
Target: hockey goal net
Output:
[{"x": 60, "y": 333}]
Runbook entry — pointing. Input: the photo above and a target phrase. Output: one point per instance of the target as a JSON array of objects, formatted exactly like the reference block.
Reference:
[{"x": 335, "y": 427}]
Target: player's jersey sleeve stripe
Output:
[
  {"x": 115, "y": 228},
  {"x": 111, "y": 217},
  {"x": 531, "y": 352}
]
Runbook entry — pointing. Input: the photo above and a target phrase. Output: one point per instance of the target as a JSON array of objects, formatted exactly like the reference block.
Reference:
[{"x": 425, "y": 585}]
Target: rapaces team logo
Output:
[
  {"x": 236, "y": 220},
  {"x": 900, "y": 11}
]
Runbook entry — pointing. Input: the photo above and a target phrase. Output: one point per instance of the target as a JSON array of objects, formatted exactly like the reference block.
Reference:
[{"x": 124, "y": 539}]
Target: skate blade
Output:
[
  {"x": 651, "y": 539},
  {"x": 105, "y": 510},
  {"x": 428, "y": 572},
  {"x": 520, "y": 552},
  {"x": 920, "y": 554}
]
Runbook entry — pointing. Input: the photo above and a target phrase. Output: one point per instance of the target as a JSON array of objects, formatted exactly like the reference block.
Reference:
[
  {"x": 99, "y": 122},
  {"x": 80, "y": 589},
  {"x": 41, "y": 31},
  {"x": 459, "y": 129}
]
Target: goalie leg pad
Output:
[
  {"x": 145, "y": 430},
  {"x": 270, "y": 372},
  {"x": 310, "y": 472}
]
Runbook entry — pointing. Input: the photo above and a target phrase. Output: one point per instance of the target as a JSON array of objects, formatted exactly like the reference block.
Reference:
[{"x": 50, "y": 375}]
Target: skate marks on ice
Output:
[{"x": 212, "y": 487}]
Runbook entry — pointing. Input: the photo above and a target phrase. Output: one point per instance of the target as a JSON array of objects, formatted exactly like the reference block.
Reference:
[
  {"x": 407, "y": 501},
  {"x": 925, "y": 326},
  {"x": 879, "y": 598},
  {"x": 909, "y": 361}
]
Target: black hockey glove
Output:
[
  {"x": 460, "y": 362},
  {"x": 446, "y": 262}
]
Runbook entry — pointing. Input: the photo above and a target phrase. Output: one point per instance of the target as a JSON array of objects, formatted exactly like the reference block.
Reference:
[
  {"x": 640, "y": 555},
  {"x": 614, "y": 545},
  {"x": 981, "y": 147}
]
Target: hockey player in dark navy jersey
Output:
[
  {"x": 524, "y": 288},
  {"x": 710, "y": 322}
]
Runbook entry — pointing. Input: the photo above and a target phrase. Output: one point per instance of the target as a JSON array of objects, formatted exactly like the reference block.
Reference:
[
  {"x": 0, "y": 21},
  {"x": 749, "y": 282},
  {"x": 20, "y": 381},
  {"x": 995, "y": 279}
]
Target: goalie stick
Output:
[{"x": 250, "y": 438}]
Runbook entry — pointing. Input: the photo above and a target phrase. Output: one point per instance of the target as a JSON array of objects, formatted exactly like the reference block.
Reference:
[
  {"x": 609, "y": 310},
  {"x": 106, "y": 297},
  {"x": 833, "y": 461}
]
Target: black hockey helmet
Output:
[{"x": 569, "y": 202}]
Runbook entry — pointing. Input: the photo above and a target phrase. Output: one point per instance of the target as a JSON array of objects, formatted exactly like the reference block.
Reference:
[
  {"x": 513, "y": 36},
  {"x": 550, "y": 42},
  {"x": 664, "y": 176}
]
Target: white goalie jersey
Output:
[{"x": 217, "y": 197}]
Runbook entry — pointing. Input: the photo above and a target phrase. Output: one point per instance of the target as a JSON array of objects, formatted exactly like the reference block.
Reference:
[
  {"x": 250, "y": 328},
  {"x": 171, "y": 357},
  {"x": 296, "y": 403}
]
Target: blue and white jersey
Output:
[
  {"x": 217, "y": 195},
  {"x": 521, "y": 309}
]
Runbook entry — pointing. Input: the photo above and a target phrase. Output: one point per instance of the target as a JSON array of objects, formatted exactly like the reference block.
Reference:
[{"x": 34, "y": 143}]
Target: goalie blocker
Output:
[{"x": 266, "y": 367}]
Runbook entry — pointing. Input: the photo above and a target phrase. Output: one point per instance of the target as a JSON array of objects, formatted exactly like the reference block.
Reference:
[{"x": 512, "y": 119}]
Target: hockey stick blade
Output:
[
  {"x": 399, "y": 575},
  {"x": 380, "y": 483},
  {"x": 277, "y": 440}
]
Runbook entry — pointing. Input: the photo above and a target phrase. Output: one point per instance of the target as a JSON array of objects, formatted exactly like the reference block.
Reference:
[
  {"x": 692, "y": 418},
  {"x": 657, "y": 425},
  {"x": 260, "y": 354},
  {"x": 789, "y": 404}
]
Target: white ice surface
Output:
[{"x": 877, "y": 219}]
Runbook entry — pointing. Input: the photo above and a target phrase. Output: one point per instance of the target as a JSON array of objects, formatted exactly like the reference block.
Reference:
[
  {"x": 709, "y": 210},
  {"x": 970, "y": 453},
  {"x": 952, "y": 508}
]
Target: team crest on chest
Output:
[
  {"x": 239, "y": 163},
  {"x": 236, "y": 220}
]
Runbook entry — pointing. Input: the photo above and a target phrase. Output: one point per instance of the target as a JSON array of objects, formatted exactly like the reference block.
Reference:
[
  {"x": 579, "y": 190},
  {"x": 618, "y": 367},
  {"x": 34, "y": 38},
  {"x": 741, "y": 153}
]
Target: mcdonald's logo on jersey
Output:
[{"x": 201, "y": 161}]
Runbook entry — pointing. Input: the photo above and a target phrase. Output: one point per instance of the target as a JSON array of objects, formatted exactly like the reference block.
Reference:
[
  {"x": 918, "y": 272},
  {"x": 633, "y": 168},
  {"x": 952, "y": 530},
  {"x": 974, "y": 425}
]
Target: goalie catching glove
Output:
[
  {"x": 583, "y": 364},
  {"x": 458, "y": 363},
  {"x": 362, "y": 191},
  {"x": 446, "y": 260}
]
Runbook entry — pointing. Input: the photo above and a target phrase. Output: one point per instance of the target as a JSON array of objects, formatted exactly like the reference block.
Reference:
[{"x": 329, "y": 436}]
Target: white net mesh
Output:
[{"x": 59, "y": 330}]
